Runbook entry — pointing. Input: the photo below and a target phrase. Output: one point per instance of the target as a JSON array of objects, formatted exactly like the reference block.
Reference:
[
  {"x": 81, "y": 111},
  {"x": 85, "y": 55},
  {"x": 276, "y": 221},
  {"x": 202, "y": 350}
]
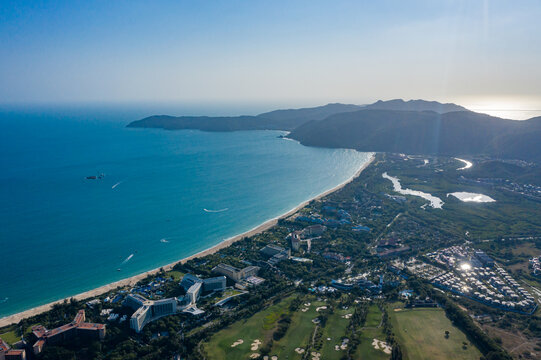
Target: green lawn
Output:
[
  {"x": 299, "y": 334},
  {"x": 371, "y": 331},
  {"x": 421, "y": 335},
  {"x": 335, "y": 329},
  {"x": 259, "y": 326},
  {"x": 227, "y": 293},
  {"x": 300, "y": 331},
  {"x": 10, "y": 337},
  {"x": 373, "y": 318},
  {"x": 177, "y": 275}
]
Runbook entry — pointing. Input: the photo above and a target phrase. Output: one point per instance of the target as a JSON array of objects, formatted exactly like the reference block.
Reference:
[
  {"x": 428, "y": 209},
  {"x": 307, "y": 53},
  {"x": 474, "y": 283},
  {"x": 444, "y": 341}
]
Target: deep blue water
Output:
[{"x": 61, "y": 234}]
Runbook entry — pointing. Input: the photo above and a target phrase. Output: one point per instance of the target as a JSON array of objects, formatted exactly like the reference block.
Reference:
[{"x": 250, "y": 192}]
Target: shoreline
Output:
[{"x": 15, "y": 318}]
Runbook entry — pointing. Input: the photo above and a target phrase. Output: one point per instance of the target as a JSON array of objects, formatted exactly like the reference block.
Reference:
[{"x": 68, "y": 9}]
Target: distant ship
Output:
[{"x": 94, "y": 177}]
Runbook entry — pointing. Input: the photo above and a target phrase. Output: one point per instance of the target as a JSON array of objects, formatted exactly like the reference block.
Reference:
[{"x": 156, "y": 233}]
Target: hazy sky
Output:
[{"x": 292, "y": 52}]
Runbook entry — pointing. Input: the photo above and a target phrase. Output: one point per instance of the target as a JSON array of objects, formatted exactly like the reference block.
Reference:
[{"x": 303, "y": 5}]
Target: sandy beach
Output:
[{"x": 15, "y": 318}]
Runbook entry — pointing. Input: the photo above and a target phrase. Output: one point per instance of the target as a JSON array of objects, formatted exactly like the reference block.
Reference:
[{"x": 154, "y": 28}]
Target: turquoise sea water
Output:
[{"x": 61, "y": 234}]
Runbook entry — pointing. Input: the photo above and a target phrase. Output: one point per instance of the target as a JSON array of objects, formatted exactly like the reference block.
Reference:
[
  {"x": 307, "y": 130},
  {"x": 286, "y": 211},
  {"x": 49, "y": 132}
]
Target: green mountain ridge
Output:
[
  {"x": 411, "y": 127},
  {"x": 456, "y": 133}
]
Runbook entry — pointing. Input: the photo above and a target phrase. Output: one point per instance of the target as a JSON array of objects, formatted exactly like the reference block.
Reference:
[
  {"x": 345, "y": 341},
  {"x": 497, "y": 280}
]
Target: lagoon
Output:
[
  {"x": 472, "y": 197},
  {"x": 435, "y": 202}
]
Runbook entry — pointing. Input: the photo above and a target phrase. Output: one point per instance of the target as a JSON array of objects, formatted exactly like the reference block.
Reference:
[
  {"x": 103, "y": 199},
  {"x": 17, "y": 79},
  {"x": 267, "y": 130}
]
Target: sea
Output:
[{"x": 158, "y": 196}]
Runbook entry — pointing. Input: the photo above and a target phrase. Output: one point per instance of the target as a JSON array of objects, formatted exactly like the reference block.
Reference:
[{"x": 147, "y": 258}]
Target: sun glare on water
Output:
[{"x": 515, "y": 109}]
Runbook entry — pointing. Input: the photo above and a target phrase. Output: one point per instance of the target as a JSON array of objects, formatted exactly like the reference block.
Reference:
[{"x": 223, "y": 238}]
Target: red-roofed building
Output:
[
  {"x": 78, "y": 327},
  {"x": 11, "y": 354}
]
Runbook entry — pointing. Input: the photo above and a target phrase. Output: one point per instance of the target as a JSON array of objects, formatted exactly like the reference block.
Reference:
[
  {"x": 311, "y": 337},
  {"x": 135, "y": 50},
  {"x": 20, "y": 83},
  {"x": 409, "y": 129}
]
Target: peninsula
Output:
[{"x": 415, "y": 127}]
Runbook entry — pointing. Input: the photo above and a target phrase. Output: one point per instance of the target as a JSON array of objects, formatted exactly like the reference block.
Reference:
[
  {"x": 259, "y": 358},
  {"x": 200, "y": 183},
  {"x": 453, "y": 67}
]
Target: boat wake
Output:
[
  {"x": 127, "y": 259},
  {"x": 4, "y": 300},
  {"x": 115, "y": 185},
  {"x": 164, "y": 241},
  {"x": 215, "y": 211}
]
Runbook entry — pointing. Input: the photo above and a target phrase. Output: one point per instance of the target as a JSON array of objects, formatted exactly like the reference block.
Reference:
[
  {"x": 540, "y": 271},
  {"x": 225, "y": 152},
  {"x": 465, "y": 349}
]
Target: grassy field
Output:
[
  {"x": 421, "y": 334},
  {"x": 373, "y": 318},
  {"x": 227, "y": 293},
  {"x": 335, "y": 330},
  {"x": 10, "y": 337},
  {"x": 177, "y": 275},
  {"x": 300, "y": 331},
  {"x": 371, "y": 331},
  {"x": 259, "y": 326},
  {"x": 298, "y": 336}
]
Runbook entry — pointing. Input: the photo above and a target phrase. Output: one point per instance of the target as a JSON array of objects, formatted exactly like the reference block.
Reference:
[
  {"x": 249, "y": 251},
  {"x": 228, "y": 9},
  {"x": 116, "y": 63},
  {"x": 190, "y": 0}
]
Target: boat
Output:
[
  {"x": 117, "y": 269},
  {"x": 92, "y": 177}
]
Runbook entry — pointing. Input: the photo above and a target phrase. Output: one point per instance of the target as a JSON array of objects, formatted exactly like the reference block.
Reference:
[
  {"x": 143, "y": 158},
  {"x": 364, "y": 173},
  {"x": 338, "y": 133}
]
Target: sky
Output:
[{"x": 479, "y": 53}]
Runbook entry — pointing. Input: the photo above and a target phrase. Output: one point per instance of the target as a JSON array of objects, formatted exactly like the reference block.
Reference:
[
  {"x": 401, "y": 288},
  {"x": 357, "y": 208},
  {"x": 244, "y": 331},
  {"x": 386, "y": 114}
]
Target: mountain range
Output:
[{"x": 411, "y": 127}]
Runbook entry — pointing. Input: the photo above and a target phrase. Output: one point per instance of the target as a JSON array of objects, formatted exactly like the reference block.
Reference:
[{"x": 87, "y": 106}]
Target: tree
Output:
[
  {"x": 396, "y": 353},
  {"x": 447, "y": 334}
]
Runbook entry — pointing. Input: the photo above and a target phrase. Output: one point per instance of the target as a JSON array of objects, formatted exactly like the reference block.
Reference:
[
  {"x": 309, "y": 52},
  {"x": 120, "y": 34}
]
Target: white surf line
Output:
[
  {"x": 467, "y": 164},
  {"x": 215, "y": 211}
]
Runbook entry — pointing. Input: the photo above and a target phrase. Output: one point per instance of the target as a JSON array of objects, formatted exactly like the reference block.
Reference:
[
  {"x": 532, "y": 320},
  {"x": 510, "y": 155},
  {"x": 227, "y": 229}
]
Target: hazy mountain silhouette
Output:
[
  {"x": 274, "y": 120},
  {"x": 425, "y": 132},
  {"x": 415, "y": 105},
  {"x": 412, "y": 127}
]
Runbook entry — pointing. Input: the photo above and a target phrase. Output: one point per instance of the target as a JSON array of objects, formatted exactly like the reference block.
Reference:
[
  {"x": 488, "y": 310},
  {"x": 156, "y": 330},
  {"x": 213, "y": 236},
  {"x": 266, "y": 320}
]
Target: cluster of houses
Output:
[
  {"x": 329, "y": 255},
  {"x": 535, "y": 265},
  {"x": 423, "y": 270},
  {"x": 474, "y": 274},
  {"x": 342, "y": 217},
  {"x": 154, "y": 288}
]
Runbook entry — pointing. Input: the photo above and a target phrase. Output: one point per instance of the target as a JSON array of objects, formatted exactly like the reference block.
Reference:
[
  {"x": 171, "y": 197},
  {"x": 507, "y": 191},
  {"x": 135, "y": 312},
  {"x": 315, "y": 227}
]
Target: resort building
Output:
[
  {"x": 188, "y": 280},
  {"x": 234, "y": 273},
  {"x": 193, "y": 293},
  {"x": 210, "y": 284},
  {"x": 6, "y": 353},
  {"x": 276, "y": 253},
  {"x": 214, "y": 284},
  {"x": 314, "y": 230},
  {"x": 270, "y": 250},
  {"x": 148, "y": 310},
  {"x": 77, "y": 328},
  {"x": 296, "y": 240}
]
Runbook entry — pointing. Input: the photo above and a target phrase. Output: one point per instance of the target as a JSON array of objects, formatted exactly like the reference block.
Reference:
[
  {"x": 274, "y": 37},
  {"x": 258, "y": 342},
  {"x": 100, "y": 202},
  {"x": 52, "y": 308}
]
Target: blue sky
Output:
[{"x": 270, "y": 52}]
